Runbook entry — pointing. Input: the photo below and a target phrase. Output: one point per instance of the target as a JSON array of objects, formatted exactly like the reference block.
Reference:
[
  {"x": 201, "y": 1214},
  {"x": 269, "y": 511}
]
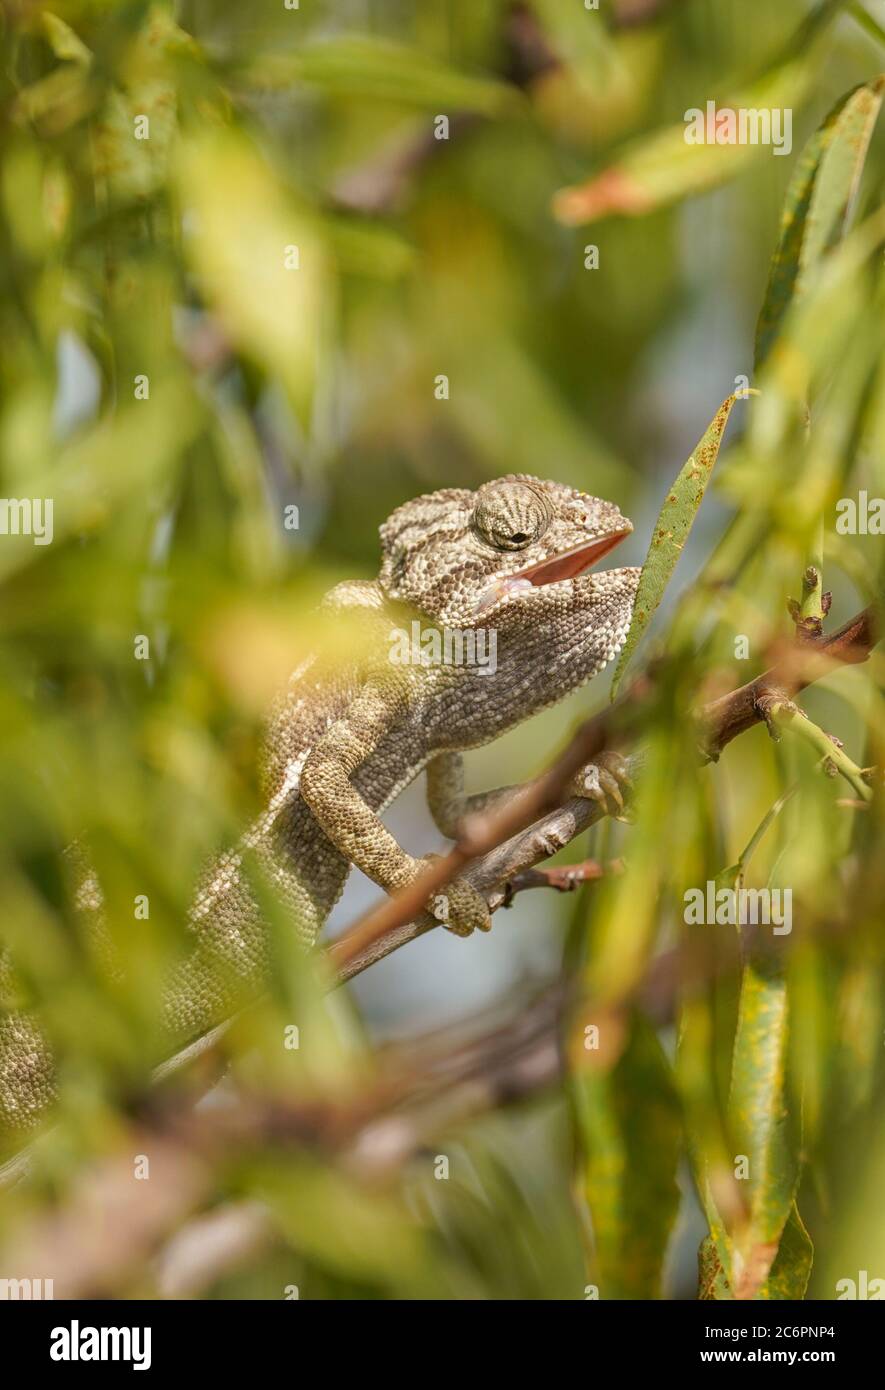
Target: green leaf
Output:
[
  {"x": 64, "y": 43},
  {"x": 712, "y": 1281},
  {"x": 246, "y": 235},
  {"x": 759, "y": 1119},
  {"x": 792, "y": 1268},
  {"x": 671, "y": 531},
  {"x": 362, "y": 1234},
  {"x": 761, "y": 1251},
  {"x": 789, "y": 1274},
  {"x": 710, "y": 1152},
  {"x": 381, "y": 70},
  {"x": 818, "y": 202},
  {"x": 88, "y": 485},
  {"x": 368, "y": 249},
  {"x": 664, "y": 167},
  {"x": 629, "y": 1138}
]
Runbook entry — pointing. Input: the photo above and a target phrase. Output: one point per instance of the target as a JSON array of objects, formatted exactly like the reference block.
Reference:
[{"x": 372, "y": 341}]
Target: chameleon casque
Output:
[{"x": 513, "y": 557}]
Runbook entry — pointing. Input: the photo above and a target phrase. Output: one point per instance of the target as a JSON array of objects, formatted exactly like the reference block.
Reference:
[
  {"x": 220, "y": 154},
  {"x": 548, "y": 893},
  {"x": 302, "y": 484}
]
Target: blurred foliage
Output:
[{"x": 175, "y": 384}]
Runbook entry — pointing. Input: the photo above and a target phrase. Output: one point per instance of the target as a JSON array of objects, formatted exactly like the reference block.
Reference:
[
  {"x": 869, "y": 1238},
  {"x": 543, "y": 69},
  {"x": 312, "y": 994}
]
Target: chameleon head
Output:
[{"x": 517, "y": 555}]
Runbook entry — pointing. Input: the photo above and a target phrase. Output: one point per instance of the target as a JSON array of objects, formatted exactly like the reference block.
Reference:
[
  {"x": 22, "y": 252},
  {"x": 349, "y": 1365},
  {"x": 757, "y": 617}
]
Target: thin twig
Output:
[
  {"x": 564, "y": 878},
  {"x": 801, "y": 665}
]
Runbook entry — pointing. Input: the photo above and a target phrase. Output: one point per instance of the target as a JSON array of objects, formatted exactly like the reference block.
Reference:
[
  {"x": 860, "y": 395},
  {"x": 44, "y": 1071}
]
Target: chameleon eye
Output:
[{"x": 510, "y": 516}]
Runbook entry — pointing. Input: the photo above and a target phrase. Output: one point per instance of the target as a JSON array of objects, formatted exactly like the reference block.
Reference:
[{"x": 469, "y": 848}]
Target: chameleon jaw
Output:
[{"x": 568, "y": 565}]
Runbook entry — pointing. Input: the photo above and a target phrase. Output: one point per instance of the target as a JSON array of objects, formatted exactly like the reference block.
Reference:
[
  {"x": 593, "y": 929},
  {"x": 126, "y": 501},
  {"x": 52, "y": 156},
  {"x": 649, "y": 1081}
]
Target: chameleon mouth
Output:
[
  {"x": 573, "y": 562},
  {"x": 568, "y": 565}
]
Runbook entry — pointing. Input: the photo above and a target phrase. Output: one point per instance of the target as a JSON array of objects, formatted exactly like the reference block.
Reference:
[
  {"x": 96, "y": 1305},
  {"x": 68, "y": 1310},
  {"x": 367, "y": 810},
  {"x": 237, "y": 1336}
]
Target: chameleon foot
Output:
[
  {"x": 606, "y": 781},
  {"x": 458, "y": 906}
]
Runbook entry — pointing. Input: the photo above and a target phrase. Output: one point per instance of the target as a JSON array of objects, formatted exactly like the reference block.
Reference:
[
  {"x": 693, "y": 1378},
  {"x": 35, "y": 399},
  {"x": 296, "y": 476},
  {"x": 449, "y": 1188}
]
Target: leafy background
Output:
[{"x": 269, "y": 388}]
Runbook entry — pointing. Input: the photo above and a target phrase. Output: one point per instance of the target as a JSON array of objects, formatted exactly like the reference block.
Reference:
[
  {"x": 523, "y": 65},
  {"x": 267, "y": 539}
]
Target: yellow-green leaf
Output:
[
  {"x": 629, "y": 1134},
  {"x": 818, "y": 202},
  {"x": 759, "y": 1118},
  {"x": 378, "y": 69},
  {"x": 259, "y": 257},
  {"x": 789, "y": 1275},
  {"x": 64, "y": 43},
  {"x": 664, "y": 167},
  {"x": 671, "y": 531}
]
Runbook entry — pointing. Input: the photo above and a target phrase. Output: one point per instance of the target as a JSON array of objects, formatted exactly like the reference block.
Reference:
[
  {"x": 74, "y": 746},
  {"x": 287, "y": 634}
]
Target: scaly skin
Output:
[{"x": 343, "y": 743}]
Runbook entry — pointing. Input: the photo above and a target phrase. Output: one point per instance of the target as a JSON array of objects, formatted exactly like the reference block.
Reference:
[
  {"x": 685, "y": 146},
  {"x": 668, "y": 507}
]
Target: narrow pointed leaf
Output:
[
  {"x": 358, "y": 66},
  {"x": 818, "y": 202},
  {"x": 671, "y": 532},
  {"x": 260, "y": 259},
  {"x": 789, "y": 1275},
  {"x": 629, "y": 1139},
  {"x": 666, "y": 166},
  {"x": 759, "y": 1119}
]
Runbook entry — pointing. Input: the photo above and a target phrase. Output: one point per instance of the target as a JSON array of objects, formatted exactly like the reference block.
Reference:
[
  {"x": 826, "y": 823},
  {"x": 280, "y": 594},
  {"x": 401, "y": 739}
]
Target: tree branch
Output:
[
  {"x": 802, "y": 664},
  {"x": 489, "y": 863},
  {"x": 506, "y": 842}
]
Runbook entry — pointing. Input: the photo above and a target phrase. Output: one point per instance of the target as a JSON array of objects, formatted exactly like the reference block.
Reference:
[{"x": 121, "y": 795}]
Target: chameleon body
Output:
[{"x": 511, "y": 561}]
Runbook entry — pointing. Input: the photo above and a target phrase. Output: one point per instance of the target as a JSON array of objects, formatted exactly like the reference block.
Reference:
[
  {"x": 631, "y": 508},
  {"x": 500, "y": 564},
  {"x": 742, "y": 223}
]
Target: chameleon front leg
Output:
[
  {"x": 352, "y": 825},
  {"x": 606, "y": 781},
  {"x": 446, "y": 800}
]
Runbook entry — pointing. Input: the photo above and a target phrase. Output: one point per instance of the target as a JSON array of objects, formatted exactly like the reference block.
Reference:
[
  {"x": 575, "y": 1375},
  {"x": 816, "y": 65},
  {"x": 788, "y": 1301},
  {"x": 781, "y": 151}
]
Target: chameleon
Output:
[{"x": 512, "y": 561}]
